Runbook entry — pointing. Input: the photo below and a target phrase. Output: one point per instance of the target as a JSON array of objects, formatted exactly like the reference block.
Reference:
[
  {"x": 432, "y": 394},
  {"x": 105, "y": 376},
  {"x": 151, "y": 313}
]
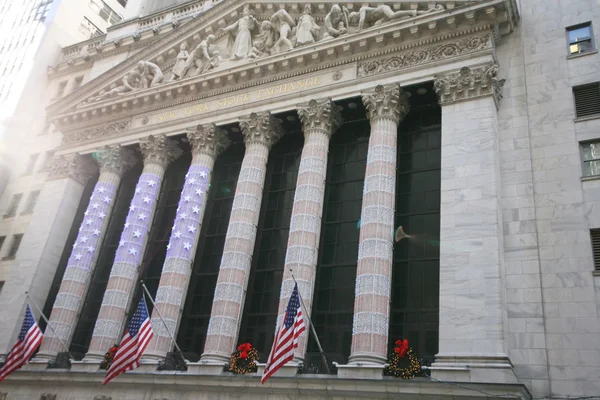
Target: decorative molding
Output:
[
  {"x": 159, "y": 150},
  {"x": 387, "y": 102},
  {"x": 324, "y": 116},
  {"x": 469, "y": 83},
  {"x": 261, "y": 128},
  {"x": 102, "y": 398},
  {"x": 115, "y": 159},
  {"x": 209, "y": 140},
  {"x": 419, "y": 56},
  {"x": 94, "y": 133},
  {"x": 48, "y": 396},
  {"x": 71, "y": 166}
]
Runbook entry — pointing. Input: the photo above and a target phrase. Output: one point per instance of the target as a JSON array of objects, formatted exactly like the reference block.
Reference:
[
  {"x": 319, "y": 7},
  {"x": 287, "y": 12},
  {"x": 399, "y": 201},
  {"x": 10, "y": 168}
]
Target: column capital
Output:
[
  {"x": 72, "y": 166},
  {"x": 208, "y": 139},
  {"x": 159, "y": 150},
  {"x": 324, "y": 116},
  {"x": 387, "y": 102},
  {"x": 469, "y": 83},
  {"x": 261, "y": 128},
  {"x": 115, "y": 159}
]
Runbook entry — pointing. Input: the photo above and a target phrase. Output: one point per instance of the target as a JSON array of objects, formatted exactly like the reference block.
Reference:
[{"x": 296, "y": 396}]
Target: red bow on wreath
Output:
[
  {"x": 401, "y": 347},
  {"x": 244, "y": 348}
]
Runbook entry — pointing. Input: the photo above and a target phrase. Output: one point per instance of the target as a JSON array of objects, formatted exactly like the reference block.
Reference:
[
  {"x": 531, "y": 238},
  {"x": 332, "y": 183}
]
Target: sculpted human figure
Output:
[
  {"x": 336, "y": 22},
  {"x": 243, "y": 34},
  {"x": 264, "y": 41},
  {"x": 282, "y": 22},
  {"x": 202, "y": 58},
  {"x": 180, "y": 61},
  {"x": 150, "y": 74},
  {"x": 129, "y": 83},
  {"x": 308, "y": 30},
  {"x": 375, "y": 16}
]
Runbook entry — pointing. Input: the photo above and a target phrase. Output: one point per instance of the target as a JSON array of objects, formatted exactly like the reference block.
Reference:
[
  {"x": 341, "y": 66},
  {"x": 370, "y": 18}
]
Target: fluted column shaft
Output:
[
  {"x": 385, "y": 108},
  {"x": 319, "y": 122},
  {"x": 158, "y": 154},
  {"x": 113, "y": 162},
  {"x": 260, "y": 131},
  {"x": 207, "y": 143}
]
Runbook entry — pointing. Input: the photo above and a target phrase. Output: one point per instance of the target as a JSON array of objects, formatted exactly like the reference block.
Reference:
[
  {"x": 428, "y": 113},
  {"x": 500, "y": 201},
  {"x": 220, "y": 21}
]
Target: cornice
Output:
[{"x": 379, "y": 37}]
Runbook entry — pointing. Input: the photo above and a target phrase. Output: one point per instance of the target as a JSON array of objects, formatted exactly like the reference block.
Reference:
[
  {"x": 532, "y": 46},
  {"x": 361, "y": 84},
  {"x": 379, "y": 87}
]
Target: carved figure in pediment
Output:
[
  {"x": 336, "y": 22},
  {"x": 264, "y": 41},
  {"x": 282, "y": 23},
  {"x": 203, "y": 58},
  {"x": 180, "y": 62},
  {"x": 130, "y": 82},
  {"x": 375, "y": 16},
  {"x": 308, "y": 30},
  {"x": 150, "y": 74},
  {"x": 242, "y": 31}
]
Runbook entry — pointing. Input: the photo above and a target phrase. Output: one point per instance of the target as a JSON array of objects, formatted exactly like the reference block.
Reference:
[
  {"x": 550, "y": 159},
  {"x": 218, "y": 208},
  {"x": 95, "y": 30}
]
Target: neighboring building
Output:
[
  {"x": 32, "y": 34},
  {"x": 213, "y": 173}
]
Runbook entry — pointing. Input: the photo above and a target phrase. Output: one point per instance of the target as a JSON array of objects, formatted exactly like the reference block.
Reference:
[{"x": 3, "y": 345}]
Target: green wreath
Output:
[
  {"x": 401, "y": 352},
  {"x": 243, "y": 360}
]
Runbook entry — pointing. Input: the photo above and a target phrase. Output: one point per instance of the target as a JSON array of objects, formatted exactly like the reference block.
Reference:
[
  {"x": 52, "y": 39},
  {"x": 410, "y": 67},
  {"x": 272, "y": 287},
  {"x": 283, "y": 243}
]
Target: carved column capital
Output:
[
  {"x": 159, "y": 150},
  {"x": 116, "y": 159},
  {"x": 387, "y": 102},
  {"x": 208, "y": 139},
  {"x": 469, "y": 83},
  {"x": 72, "y": 166},
  {"x": 324, "y": 116},
  {"x": 261, "y": 128}
]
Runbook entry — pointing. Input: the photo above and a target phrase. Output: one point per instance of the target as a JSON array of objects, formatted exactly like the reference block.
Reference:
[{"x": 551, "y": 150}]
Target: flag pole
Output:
[
  {"x": 161, "y": 318},
  {"x": 49, "y": 325},
  {"x": 312, "y": 328}
]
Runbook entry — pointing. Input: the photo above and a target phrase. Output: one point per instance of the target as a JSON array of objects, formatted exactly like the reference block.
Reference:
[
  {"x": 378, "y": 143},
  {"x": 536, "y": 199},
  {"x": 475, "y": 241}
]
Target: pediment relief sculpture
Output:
[{"x": 251, "y": 36}]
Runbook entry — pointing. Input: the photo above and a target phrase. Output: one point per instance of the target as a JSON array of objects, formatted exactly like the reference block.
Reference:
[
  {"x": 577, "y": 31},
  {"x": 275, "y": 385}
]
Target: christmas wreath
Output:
[
  {"x": 400, "y": 357},
  {"x": 109, "y": 357},
  {"x": 244, "y": 359}
]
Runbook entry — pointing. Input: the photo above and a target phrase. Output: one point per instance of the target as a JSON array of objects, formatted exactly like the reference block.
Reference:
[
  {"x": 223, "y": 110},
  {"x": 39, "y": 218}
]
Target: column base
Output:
[
  {"x": 35, "y": 364},
  {"x": 93, "y": 357},
  {"x": 85, "y": 366},
  {"x": 480, "y": 368},
  {"x": 147, "y": 366},
  {"x": 288, "y": 370},
  {"x": 207, "y": 367},
  {"x": 360, "y": 370}
]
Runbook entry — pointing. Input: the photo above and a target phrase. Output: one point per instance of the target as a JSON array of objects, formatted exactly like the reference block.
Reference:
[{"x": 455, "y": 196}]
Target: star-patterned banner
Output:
[
  {"x": 138, "y": 219},
  {"x": 88, "y": 240},
  {"x": 187, "y": 219}
]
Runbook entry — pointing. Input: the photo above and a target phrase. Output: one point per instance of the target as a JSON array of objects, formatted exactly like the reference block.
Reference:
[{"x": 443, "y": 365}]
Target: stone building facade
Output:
[{"x": 218, "y": 151}]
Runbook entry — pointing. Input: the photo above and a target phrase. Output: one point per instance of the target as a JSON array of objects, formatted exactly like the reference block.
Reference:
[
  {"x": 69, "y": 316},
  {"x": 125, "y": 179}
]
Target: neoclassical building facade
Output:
[{"x": 390, "y": 157}]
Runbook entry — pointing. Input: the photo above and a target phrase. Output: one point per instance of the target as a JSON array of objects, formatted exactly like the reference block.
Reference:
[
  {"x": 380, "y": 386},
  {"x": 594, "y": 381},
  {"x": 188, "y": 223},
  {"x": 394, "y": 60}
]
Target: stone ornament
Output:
[
  {"x": 336, "y": 22},
  {"x": 116, "y": 159},
  {"x": 469, "y": 83},
  {"x": 202, "y": 59},
  {"x": 308, "y": 30},
  {"x": 282, "y": 23},
  {"x": 150, "y": 74},
  {"x": 72, "y": 166},
  {"x": 241, "y": 34},
  {"x": 95, "y": 133},
  {"x": 261, "y": 128},
  {"x": 376, "y": 16},
  {"x": 209, "y": 140},
  {"x": 424, "y": 55},
  {"x": 324, "y": 116},
  {"x": 180, "y": 62},
  {"x": 387, "y": 102},
  {"x": 159, "y": 150}
]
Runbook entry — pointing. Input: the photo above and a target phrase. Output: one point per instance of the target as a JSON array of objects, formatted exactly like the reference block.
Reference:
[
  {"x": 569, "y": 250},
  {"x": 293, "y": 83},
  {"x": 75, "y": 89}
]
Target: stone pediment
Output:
[{"x": 237, "y": 44}]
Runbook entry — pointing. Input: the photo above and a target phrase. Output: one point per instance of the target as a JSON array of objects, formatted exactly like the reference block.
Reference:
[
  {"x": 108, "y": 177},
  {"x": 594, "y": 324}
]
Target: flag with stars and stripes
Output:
[
  {"x": 286, "y": 338},
  {"x": 28, "y": 341},
  {"x": 136, "y": 339}
]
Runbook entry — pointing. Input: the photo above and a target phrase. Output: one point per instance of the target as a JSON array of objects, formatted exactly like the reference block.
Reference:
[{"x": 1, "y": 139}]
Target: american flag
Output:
[
  {"x": 286, "y": 338},
  {"x": 134, "y": 343},
  {"x": 29, "y": 339}
]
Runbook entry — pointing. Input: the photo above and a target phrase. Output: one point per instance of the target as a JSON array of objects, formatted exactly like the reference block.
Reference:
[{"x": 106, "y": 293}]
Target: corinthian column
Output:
[
  {"x": 208, "y": 142},
  {"x": 319, "y": 122},
  {"x": 386, "y": 107},
  {"x": 158, "y": 154},
  {"x": 260, "y": 131},
  {"x": 113, "y": 161}
]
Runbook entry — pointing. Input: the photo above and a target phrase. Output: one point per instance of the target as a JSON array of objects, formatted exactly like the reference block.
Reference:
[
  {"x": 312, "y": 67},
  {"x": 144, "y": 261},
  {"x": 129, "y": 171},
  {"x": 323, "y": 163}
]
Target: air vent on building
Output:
[
  {"x": 587, "y": 99},
  {"x": 595, "y": 234}
]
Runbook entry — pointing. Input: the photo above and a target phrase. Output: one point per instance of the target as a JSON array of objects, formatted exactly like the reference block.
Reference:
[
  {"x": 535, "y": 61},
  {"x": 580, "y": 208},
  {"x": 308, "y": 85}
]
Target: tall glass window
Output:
[
  {"x": 333, "y": 305},
  {"x": 264, "y": 286},
  {"x": 196, "y": 313},
  {"x": 415, "y": 273}
]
